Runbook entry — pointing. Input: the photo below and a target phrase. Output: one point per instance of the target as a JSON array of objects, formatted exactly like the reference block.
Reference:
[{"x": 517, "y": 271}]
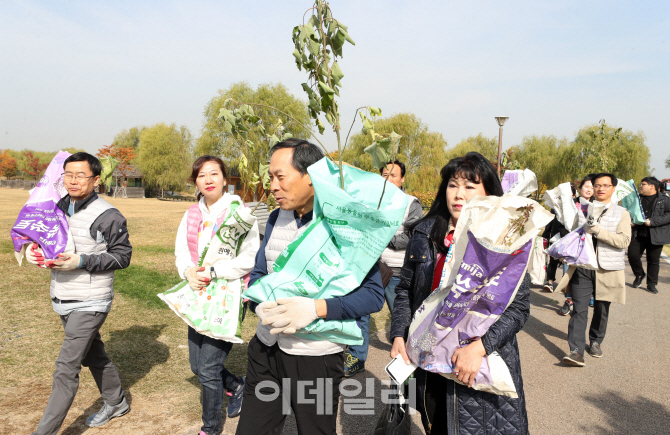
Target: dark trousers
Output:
[
  {"x": 277, "y": 382},
  {"x": 206, "y": 356},
  {"x": 583, "y": 285},
  {"x": 635, "y": 250},
  {"x": 82, "y": 346}
]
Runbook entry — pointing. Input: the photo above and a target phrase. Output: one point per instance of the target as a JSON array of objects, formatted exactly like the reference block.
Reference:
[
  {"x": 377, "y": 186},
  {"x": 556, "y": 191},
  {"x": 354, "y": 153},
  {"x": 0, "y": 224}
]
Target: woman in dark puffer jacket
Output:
[{"x": 448, "y": 407}]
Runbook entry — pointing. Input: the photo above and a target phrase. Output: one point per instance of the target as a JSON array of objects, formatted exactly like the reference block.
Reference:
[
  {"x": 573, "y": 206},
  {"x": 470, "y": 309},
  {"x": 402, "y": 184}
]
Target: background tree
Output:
[
  {"x": 422, "y": 151},
  {"x": 129, "y": 138},
  {"x": 541, "y": 155},
  {"x": 488, "y": 147},
  {"x": 33, "y": 167},
  {"x": 8, "y": 166},
  {"x": 600, "y": 147},
  {"x": 165, "y": 156},
  {"x": 216, "y": 140}
]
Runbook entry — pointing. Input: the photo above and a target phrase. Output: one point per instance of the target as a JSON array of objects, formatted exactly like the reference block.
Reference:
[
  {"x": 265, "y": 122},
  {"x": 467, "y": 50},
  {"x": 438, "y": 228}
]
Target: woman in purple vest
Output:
[{"x": 198, "y": 226}]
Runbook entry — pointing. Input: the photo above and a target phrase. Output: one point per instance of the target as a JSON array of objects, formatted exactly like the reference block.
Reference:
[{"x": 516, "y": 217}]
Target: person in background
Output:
[
  {"x": 279, "y": 361},
  {"x": 82, "y": 290},
  {"x": 582, "y": 202},
  {"x": 207, "y": 355},
  {"x": 652, "y": 235},
  {"x": 611, "y": 235},
  {"x": 393, "y": 257},
  {"x": 448, "y": 407}
]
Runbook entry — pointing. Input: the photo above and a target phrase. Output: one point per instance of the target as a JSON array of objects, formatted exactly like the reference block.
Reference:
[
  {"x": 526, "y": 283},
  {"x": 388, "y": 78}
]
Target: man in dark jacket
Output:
[
  {"x": 82, "y": 292},
  {"x": 651, "y": 236}
]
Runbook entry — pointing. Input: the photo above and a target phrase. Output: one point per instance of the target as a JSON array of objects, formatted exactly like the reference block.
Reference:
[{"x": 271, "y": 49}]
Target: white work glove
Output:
[
  {"x": 35, "y": 255},
  {"x": 592, "y": 229},
  {"x": 291, "y": 314},
  {"x": 262, "y": 310},
  {"x": 69, "y": 261},
  {"x": 195, "y": 280}
]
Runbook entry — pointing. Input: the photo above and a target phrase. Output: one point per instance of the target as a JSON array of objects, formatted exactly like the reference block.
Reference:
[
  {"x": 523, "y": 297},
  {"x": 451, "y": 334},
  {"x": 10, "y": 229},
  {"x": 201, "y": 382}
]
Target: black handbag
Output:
[{"x": 395, "y": 418}]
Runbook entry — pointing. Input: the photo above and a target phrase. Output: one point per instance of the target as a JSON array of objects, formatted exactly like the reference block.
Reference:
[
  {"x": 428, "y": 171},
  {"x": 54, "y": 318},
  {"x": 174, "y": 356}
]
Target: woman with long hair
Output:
[
  {"x": 447, "y": 406},
  {"x": 198, "y": 227}
]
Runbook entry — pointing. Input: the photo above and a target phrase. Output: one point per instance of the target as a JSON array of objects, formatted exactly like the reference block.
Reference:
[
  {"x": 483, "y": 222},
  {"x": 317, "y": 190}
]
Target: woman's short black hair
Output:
[
  {"x": 473, "y": 167},
  {"x": 305, "y": 154},
  {"x": 93, "y": 162},
  {"x": 585, "y": 179}
]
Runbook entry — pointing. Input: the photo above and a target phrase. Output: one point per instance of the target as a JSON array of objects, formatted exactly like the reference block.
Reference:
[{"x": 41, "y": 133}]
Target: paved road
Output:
[{"x": 625, "y": 392}]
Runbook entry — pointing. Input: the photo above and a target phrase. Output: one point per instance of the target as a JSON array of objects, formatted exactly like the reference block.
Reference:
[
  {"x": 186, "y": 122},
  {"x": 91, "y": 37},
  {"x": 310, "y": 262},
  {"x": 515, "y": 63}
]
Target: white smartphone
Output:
[{"x": 398, "y": 371}]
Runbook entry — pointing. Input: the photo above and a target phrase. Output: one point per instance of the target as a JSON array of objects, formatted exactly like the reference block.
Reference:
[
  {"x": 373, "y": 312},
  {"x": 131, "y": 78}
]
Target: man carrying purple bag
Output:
[
  {"x": 611, "y": 233},
  {"x": 82, "y": 292}
]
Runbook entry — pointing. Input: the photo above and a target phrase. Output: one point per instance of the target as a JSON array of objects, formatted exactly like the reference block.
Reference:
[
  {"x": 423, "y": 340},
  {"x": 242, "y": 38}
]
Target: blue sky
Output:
[{"x": 77, "y": 73}]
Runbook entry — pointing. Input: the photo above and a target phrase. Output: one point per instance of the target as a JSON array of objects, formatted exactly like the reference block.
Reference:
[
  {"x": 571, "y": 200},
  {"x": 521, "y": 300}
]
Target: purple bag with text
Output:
[
  {"x": 576, "y": 249},
  {"x": 493, "y": 240},
  {"x": 40, "y": 220}
]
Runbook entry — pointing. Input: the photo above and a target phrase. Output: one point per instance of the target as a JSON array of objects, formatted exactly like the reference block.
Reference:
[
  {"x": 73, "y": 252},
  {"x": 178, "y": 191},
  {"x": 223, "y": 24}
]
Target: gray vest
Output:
[
  {"x": 283, "y": 233},
  {"x": 395, "y": 258},
  {"x": 80, "y": 284},
  {"x": 609, "y": 257}
]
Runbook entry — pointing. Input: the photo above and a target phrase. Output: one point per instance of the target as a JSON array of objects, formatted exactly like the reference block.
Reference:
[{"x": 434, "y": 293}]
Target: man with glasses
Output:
[
  {"x": 610, "y": 232},
  {"x": 652, "y": 235},
  {"x": 82, "y": 292}
]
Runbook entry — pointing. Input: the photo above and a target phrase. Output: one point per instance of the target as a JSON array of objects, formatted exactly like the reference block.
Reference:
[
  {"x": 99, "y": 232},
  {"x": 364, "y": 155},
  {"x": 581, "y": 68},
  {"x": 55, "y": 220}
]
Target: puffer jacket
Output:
[{"x": 478, "y": 412}]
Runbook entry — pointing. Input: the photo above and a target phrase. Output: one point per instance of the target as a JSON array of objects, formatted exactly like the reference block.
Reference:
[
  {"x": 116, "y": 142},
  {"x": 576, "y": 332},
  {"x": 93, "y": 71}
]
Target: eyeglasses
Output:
[
  {"x": 604, "y": 186},
  {"x": 78, "y": 177}
]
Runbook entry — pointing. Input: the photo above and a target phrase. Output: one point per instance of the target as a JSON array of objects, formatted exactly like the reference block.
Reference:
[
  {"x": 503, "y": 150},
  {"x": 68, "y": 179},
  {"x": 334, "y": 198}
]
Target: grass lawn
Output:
[{"x": 145, "y": 339}]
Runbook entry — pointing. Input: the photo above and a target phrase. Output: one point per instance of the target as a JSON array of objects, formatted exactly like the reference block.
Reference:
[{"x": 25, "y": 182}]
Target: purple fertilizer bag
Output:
[
  {"x": 40, "y": 221},
  {"x": 493, "y": 241}
]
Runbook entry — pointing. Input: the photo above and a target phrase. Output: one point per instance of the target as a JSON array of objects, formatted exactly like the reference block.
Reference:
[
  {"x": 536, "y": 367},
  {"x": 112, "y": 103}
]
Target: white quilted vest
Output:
[
  {"x": 80, "y": 284},
  {"x": 396, "y": 257},
  {"x": 283, "y": 233},
  {"x": 609, "y": 257}
]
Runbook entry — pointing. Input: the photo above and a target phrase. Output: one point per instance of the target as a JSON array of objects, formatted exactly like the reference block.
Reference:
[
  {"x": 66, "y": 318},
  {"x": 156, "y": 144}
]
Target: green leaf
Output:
[
  {"x": 375, "y": 111},
  {"x": 313, "y": 46},
  {"x": 314, "y": 21},
  {"x": 320, "y": 126},
  {"x": 337, "y": 42},
  {"x": 265, "y": 175},
  {"x": 325, "y": 89},
  {"x": 306, "y": 31},
  {"x": 273, "y": 140},
  {"x": 298, "y": 58},
  {"x": 380, "y": 151},
  {"x": 347, "y": 37},
  {"x": 287, "y": 136},
  {"x": 395, "y": 143},
  {"x": 367, "y": 126},
  {"x": 228, "y": 127},
  {"x": 329, "y": 117},
  {"x": 336, "y": 73}
]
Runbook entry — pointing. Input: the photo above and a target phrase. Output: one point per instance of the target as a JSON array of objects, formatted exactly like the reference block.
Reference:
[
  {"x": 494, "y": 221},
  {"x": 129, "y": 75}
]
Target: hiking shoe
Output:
[
  {"x": 566, "y": 308},
  {"x": 638, "y": 280},
  {"x": 591, "y": 303},
  {"x": 574, "y": 358},
  {"x": 352, "y": 366},
  {"x": 594, "y": 350},
  {"x": 235, "y": 399},
  {"x": 548, "y": 287},
  {"x": 107, "y": 413},
  {"x": 651, "y": 288}
]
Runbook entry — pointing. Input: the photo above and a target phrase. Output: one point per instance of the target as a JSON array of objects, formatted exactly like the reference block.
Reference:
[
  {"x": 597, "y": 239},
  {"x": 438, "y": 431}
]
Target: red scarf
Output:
[{"x": 439, "y": 264}]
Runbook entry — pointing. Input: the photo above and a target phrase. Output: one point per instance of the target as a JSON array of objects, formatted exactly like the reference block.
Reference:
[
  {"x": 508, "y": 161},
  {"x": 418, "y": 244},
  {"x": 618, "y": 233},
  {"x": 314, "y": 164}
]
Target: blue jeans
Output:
[
  {"x": 360, "y": 351},
  {"x": 206, "y": 356}
]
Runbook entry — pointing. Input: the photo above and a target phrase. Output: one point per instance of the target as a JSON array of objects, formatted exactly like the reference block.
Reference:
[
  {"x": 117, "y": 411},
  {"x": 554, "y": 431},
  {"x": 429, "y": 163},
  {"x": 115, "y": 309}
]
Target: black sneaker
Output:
[
  {"x": 574, "y": 358},
  {"x": 235, "y": 399},
  {"x": 594, "y": 350},
  {"x": 352, "y": 366},
  {"x": 548, "y": 287},
  {"x": 651, "y": 288},
  {"x": 566, "y": 308},
  {"x": 638, "y": 280}
]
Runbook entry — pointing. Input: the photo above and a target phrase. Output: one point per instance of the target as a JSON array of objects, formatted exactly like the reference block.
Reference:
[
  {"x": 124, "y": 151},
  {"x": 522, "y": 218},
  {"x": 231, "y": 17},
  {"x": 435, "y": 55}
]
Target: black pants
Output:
[
  {"x": 635, "y": 250},
  {"x": 277, "y": 382},
  {"x": 583, "y": 285}
]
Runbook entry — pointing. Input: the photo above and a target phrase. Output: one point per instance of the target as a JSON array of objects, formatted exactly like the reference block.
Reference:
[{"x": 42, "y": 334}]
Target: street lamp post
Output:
[{"x": 501, "y": 120}]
